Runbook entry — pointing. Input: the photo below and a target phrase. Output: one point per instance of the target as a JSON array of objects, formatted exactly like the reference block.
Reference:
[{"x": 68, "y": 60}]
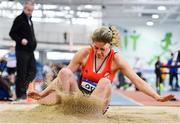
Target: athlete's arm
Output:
[
  {"x": 77, "y": 60},
  {"x": 140, "y": 84},
  {"x": 74, "y": 65}
]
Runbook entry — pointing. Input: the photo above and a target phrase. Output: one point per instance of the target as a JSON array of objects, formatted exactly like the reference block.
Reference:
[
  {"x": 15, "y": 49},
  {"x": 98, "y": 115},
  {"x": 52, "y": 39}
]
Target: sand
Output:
[
  {"x": 32, "y": 113},
  {"x": 80, "y": 109}
]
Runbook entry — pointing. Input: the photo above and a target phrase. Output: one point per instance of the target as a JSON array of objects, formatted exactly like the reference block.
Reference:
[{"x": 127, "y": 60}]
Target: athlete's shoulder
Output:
[
  {"x": 84, "y": 51},
  {"x": 118, "y": 56}
]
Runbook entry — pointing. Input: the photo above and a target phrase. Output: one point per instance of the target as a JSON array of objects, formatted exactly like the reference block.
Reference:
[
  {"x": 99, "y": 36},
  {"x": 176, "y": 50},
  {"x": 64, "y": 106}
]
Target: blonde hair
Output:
[{"x": 107, "y": 35}]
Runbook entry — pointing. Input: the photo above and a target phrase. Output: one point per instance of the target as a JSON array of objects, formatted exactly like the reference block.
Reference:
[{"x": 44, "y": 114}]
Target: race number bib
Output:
[{"x": 88, "y": 85}]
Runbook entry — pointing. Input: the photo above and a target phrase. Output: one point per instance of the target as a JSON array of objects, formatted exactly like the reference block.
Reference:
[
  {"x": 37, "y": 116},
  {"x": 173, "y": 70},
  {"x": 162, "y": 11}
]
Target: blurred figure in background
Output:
[
  {"x": 138, "y": 67},
  {"x": 2, "y": 65},
  {"x": 46, "y": 68},
  {"x": 10, "y": 57},
  {"x": 158, "y": 74},
  {"x": 65, "y": 37},
  {"x": 22, "y": 32},
  {"x": 5, "y": 84},
  {"x": 173, "y": 72},
  {"x": 121, "y": 80},
  {"x": 50, "y": 72},
  {"x": 163, "y": 76}
]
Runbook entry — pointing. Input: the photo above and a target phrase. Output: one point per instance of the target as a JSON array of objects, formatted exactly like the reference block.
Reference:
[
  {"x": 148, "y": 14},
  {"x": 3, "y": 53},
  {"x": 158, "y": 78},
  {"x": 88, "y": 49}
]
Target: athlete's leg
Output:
[
  {"x": 51, "y": 99},
  {"x": 68, "y": 81},
  {"x": 64, "y": 82},
  {"x": 103, "y": 91},
  {"x": 38, "y": 95}
]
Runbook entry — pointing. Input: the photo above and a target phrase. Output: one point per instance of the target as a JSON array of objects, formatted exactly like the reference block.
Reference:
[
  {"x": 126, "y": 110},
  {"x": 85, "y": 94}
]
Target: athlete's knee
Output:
[
  {"x": 108, "y": 90},
  {"x": 64, "y": 73},
  {"x": 105, "y": 82}
]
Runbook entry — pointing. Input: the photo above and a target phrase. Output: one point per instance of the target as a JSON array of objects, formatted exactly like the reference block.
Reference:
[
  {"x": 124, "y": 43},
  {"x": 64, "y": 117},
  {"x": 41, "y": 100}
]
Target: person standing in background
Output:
[
  {"x": 22, "y": 32},
  {"x": 163, "y": 76},
  {"x": 173, "y": 72},
  {"x": 65, "y": 37},
  {"x": 138, "y": 67},
  {"x": 158, "y": 73},
  {"x": 10, "y": 57}
]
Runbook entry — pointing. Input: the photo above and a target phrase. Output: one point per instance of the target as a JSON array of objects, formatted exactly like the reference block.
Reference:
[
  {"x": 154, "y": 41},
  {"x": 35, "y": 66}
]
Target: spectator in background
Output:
[
  {"x": 11, "y": 69},
  {"x": 65, "y": 37},
  {"x": 2, "y": 65},
  {"x": 173, "y": 72},
  {"x": 22, "y": 32},
  {"x": 5, "y": 86},
  {"x": 50, "y": 73},
  {"x": 121, "y": 80},
  {"x": 47, "y": 74},
  {"x": 138, "y": 69},
  {"x": 158, "y": 74},
  {"x": 138, "y": 66},
  {"x": 11, "y": 63},
  {"x": 163, "y": 76},
  {"x": 47, "y": 68}
]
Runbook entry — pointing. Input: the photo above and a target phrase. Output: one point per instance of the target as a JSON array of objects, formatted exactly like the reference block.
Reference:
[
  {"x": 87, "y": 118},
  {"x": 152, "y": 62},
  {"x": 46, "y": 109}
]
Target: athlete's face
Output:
[{"x": 101, "y": 49}]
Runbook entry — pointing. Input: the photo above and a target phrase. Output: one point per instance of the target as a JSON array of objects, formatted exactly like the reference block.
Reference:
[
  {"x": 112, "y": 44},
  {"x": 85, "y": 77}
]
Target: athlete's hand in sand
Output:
[
  {"x": 165, "y": 98},
  {"x": 34, "y": 95}
]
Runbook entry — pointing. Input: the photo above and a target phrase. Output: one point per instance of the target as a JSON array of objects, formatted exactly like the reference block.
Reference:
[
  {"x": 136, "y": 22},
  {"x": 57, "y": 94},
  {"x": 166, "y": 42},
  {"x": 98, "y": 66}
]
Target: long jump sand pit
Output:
[{"x": 33, "y": 113}]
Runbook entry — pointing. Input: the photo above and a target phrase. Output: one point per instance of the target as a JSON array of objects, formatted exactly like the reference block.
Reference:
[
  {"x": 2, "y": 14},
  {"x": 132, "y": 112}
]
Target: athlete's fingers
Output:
[
  {"x": 166, "y": 98},
  {"x": 34, "y": 95}
]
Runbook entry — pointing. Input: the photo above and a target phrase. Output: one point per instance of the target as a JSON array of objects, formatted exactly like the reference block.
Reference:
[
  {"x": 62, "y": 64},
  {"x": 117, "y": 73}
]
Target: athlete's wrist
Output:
[{"x": 157, "y": 97}]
